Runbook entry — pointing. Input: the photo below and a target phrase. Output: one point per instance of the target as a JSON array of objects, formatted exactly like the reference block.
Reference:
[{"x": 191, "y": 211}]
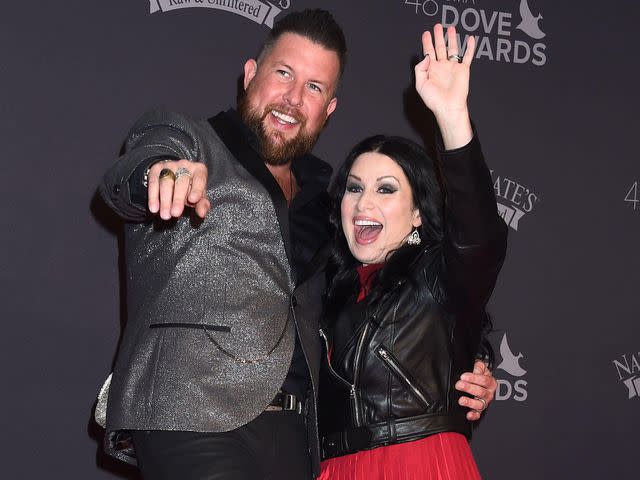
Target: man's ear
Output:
[
  {"x": 331, "y": 106},
  {"x": 250, "y": 70}
]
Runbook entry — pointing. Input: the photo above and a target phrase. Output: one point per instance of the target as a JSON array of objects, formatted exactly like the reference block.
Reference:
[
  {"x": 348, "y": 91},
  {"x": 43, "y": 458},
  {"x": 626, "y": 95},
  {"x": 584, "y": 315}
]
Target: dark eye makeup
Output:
[
  {"x": 387, "y": 188},
  {"x": 353, "y": 187}
]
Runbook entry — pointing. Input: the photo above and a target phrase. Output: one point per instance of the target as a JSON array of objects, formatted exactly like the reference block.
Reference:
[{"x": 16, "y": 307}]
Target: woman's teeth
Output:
[{"x": 367, "y": 223}]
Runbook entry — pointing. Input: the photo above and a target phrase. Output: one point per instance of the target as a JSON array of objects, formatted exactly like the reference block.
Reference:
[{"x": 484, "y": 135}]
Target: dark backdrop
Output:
[{"x": 556, "y": 110}]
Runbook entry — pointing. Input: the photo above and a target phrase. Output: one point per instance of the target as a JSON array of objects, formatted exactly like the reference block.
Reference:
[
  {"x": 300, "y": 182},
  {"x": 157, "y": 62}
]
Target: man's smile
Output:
[{"x": 284, "y": 119}]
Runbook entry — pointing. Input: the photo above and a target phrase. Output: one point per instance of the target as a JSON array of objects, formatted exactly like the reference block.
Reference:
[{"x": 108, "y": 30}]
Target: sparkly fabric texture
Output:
[
  {"x": 229, "y": 270},
  {"x": 444, "y": 456},
  {"x": 100, "y": 412}
]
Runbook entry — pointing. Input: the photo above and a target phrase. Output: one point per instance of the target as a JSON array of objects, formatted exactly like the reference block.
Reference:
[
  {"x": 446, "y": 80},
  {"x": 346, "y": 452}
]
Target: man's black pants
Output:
[{"x": 273, "y": 446}]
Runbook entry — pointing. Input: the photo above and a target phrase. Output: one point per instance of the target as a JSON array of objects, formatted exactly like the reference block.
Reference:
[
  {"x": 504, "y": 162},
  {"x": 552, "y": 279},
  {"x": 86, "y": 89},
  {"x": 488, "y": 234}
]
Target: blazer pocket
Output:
[{"x": 197, "y": 326}]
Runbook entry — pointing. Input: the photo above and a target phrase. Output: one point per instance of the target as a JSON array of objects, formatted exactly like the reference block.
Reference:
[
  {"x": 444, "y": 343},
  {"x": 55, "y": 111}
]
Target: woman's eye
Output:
[
  {"x": 353, "y": 188},
  {"x": 387, "y": 189}
]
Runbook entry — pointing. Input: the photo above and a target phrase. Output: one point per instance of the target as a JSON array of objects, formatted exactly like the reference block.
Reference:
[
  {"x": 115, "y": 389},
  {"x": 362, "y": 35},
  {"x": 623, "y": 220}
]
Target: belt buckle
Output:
[{"x": 291, "y": 403}]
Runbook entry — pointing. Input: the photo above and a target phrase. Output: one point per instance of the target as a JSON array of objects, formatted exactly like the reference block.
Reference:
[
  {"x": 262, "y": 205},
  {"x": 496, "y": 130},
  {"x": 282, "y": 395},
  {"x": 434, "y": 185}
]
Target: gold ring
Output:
[
  {"x": 167, "y": 173},
  {"x": 484, "y": 404}
]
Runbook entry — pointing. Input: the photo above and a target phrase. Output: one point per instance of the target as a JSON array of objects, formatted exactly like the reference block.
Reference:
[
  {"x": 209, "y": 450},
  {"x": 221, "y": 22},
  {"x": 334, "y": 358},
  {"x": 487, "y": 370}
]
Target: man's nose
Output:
[{"x": 293, "y": 95}]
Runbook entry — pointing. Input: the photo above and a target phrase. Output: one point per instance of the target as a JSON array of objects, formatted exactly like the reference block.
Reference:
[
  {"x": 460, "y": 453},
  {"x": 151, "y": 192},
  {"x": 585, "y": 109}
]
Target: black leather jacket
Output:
[{"x": 394, "y": 382}]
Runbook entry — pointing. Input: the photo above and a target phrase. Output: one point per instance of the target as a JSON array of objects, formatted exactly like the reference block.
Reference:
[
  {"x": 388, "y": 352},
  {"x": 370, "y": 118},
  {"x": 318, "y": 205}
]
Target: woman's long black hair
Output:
[{"x": 400, "y": 268}]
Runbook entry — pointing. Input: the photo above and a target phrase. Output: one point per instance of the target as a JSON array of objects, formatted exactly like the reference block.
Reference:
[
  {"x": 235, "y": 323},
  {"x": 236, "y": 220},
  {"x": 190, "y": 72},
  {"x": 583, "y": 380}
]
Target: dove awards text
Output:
[
  {"x": 516, "y": 390},
  {"x": 493, "y": 30},
  {"x": 481, "y": 23}
]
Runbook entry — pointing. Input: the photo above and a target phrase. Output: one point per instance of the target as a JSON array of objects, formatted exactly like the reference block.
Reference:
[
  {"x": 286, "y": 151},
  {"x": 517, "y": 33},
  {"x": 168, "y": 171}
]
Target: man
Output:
[{"x": 216, "y": 376}]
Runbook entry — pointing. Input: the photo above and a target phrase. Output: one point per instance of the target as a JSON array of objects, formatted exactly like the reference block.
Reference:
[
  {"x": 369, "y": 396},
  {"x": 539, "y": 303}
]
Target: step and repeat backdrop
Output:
[{"x": 554, "y": 96}]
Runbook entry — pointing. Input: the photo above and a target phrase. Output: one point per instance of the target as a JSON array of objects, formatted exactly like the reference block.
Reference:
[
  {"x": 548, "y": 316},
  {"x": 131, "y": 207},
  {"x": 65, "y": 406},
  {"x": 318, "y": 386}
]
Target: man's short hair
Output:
[{"x": 317, "y": 25}]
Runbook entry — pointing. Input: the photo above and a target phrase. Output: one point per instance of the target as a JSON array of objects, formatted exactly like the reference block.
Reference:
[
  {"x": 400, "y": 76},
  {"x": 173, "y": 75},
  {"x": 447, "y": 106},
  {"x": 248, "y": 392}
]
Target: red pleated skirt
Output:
[{"x": 444, "y": 456}]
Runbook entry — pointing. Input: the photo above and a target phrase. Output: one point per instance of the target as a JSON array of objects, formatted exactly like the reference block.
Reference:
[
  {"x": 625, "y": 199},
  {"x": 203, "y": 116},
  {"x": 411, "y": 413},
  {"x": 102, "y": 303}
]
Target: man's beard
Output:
[{"x": 280, "y": 151}]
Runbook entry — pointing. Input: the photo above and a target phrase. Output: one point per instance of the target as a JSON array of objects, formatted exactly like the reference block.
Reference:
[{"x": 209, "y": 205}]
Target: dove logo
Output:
[
  {"x": 510, "y": 362},
  {"x": 514, "y": 200},
  {"x": 529, "y": 23},
  {"x": 507, "y": 388},
  {"x": 628, "y": 370},
  {"x": 263, "y": 13}
]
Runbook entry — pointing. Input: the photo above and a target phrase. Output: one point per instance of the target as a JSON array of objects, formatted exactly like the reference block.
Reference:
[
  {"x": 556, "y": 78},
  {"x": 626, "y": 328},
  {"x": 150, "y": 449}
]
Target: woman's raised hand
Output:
[{"x": 442, "y": 81}]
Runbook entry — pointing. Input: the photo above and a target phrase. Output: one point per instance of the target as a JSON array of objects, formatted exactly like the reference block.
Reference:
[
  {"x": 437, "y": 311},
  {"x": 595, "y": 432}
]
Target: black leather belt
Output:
[
  {"x": 285, "y": 402},
  {"x": 392, "y": 431}
]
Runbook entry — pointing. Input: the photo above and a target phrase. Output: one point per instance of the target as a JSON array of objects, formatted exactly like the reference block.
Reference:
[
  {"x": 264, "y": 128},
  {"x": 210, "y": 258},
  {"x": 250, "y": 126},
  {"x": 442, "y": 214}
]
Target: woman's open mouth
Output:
[{"x": 366, "y": 231}]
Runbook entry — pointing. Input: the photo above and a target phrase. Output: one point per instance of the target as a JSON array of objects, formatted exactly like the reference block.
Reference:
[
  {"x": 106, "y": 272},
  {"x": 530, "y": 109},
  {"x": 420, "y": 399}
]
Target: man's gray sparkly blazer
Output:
[{"x": 210, "y": 334}]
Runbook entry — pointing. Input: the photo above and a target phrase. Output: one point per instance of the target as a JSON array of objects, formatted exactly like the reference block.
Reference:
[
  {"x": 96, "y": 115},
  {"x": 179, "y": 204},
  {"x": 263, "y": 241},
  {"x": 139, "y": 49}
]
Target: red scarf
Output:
[{"x": 366, "y": 274}]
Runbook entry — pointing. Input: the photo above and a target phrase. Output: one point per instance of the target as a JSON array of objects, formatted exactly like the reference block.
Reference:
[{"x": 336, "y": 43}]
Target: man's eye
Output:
[
  {"x": 283, "y": 73},
  {"x": 314, "y": 87},
  {"x": 353, "y": 188}
]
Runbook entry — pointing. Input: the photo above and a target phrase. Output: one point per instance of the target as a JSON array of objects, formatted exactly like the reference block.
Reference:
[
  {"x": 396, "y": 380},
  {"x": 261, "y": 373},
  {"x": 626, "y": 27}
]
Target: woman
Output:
[{"x": 409, "y": 278}]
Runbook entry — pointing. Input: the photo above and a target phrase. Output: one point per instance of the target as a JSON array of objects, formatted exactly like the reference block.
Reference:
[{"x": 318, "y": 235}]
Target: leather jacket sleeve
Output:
[
  {"x": 475, "y": 236},
  {"x": 157, "y": 135}
]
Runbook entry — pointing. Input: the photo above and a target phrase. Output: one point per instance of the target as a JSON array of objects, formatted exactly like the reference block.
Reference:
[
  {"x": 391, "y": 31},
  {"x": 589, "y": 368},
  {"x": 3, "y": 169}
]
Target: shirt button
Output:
[{"x": 116, "y": 188}]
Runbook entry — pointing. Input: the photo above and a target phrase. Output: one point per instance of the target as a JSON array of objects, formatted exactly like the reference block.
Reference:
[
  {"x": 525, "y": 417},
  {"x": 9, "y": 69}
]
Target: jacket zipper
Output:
[
  {"x": 356, "y": 374},
  {"x": 353, "y": 394},
  {"x": 395, "y": 367}
]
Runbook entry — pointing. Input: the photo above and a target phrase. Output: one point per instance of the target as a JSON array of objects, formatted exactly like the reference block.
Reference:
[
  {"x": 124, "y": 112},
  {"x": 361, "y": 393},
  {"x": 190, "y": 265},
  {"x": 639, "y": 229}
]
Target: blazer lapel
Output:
[{"x": 240, "y": 148}]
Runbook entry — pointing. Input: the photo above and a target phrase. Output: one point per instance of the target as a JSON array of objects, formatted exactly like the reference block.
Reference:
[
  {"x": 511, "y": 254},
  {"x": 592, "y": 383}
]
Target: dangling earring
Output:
[{"x": 414, "y": 238}]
